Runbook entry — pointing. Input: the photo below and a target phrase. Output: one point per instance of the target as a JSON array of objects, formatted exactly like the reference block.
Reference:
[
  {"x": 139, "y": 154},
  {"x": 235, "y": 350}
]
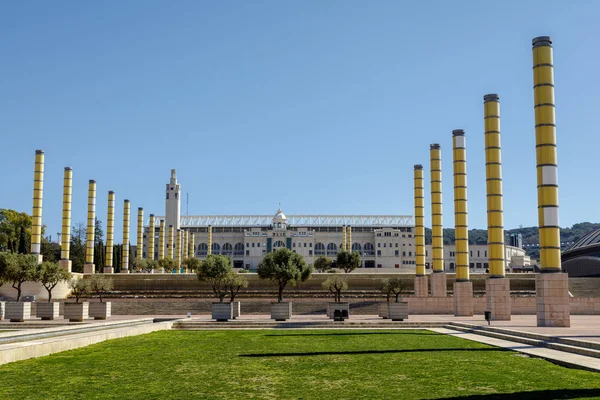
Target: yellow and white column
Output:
[
  {"x": 110, "y": 234},
  {"x": 125, "y": 248},
  {"x": 151, "y": 233},
  {"x": 463, "y": 287},
  {"x": 421, "y": 289},
  {"x": 170, "y": 242},
  {"x": 209, "y": 241},
  {"x": 38, "y": 196},
  {"x": 89, "y": 267},
  {"x": 497, "y": 287},
  {"x": 191, "y": 249},
  {"x": 344, "y": 239},
  {"x": 438, "y": 277},
  {"x": 178, "y": 249},
  {"x": 161, "y": 239},
  {"x": 139, "y": 251},
  {"x": 552, "y": 286},
  {"x": 65, "y": 246},
  {"x": 349, "y": 238}
]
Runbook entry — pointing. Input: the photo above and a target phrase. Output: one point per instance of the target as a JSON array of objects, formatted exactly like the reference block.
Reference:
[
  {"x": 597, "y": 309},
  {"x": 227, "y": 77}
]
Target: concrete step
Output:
[
  {"x": 574, "y": 346},
  {"x": 196, "y": 325}
]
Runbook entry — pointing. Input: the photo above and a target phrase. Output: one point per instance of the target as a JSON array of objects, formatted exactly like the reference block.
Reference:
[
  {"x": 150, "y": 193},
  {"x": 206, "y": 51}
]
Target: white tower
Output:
[{"x": 172, "y": 212}]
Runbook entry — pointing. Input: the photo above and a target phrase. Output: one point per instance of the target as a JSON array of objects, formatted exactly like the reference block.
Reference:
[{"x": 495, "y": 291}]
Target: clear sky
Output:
[{"x": 324, "y": 106}]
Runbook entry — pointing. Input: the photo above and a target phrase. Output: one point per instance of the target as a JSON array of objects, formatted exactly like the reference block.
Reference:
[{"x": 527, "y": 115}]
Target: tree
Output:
[
  {"x": 396, "y": 286},
  {"x": 98, "y": 232},
  {"x": 78, "y": 235},
  {"x": 335, "y": 284},
  {"x": 234, "y": 282},
  {"x": 192, "y": 264},
  {"x": 51, "y": 274},
  {"x": 99, "y": 284},
  {"x": 348, "y": 261},
  {"x": 283, "y": 266},
  {"x": 21, "y": 268},
  {"x": 140, "y": 264},
  {"x": 6, "y": 259},
  {"x": 214, "y": 270},
  {"x": 322, "y": 264},
  {"x": 152, "y": 264},
  {"x": 79, "y": 287},
  {"x": 50, "y": 250},
  {"x": 13, "y": 225},
  {"x": 23, "y": 243},
  {"x": 167, "y": 264}
]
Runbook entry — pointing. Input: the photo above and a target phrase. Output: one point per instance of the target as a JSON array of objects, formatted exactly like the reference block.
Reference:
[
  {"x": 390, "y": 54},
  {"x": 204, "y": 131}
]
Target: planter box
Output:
[
  {"x": 17, "y": 311},
  {"x": 2, "y": 305},
  {"x": 47, "y": 311},
  {"x": 281, "y": 311},
  {"x": 76, "y": 312},
  {"x": 383, "y": 310},
  {"x": 100, "y": 310},
  {"x": 398, "y": 311},
  {"x": 236, "y": 309},
  {"x": 222, "y": 311},
  {"x": 331, "y": 307}
]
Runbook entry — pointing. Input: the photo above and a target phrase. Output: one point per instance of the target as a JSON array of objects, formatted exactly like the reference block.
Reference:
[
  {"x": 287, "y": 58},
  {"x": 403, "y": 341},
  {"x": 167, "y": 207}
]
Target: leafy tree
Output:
[
  {"x": 322, "y": 264},
  {"x": 234, "y": 282},
  {"x": 348, "y": 261},
  {"x": 167, "y": 264},
  {"x": 152, "y": 265},
  {"x": 335, "y": 284},
  {"x": 215, "y": 270},
  {"x": 79, "y": 287},
  {"x": 283, "y": 266},
  {"x": 51, "y": 274},
  {"x": 384, "y": 286},
  {"x": 6, "y": 259},
  {"x": 21, "y": 268},
  {"x": 192, "y": 264},
  {"x": 396, "y": 286},
  {"x": 78, "y": 235},
  {"x": 50, "y": 250},
  {"x": 98, "y": 232},
  {"x": 23, "y": 247},
  {"x": 13, "y": 225},
  {"x": 140, "y": 264},
  {"x": 99, "y": 284}
]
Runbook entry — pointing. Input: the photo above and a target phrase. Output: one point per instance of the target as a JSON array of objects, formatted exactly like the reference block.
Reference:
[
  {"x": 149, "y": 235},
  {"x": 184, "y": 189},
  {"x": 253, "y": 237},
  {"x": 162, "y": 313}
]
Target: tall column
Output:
[
  {"x": 36, "y": 214},
  {"x": 170, "y": 242},
  {"x": 178, "y": 249},
  {"x": 161, "y": 240},
  {"x": 140, "y": 235},
  {"x": 191, "y": 250},
  {"x": 65, "y": 247},
  {"x": 421, "y": 289},
  {"x": 209, "y": 240},
  {"x": 463, "y": 287},
  {"x": 110, "y": 233},
  {"x": 552, "y": 286},
  {"x": 186, "y": 244},
  {"x": 151, "y": 233},
  {"x": 125, "y": 249},
  {"x": 344, "y": 247},
  {"x": 349, "y": 240},
  {"x": 497, "y": 287},
  {"x": 89, "y": 267},
  {"x": 438, "y": 277}
]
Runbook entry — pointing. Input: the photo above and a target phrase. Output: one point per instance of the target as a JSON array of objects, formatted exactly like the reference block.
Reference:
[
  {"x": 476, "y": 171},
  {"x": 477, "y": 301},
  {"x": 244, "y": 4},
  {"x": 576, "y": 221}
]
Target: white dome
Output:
[{"x": 280, "y": 216}]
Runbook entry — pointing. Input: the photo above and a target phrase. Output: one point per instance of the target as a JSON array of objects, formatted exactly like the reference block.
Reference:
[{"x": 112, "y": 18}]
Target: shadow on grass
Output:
[
  {"x": 537, "y": 394},
  {"x": 358, "y": 334},
  {"x": 342, "y": 353}
]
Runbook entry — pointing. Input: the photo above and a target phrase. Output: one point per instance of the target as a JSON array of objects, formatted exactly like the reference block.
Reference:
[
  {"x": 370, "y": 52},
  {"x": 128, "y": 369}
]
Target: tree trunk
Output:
[
  {"x": 49, "y": 295},
  {"x": 280, "y": 295},
  {"x": 397, "y": 297}
]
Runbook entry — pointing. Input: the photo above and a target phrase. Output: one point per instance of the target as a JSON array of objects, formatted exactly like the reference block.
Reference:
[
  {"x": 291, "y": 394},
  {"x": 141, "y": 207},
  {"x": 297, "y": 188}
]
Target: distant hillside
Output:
[{"x": 530, "y": 236}]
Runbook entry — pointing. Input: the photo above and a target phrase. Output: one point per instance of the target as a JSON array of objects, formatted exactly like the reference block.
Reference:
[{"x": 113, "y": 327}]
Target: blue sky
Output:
[{"x": 324, "y": 106}]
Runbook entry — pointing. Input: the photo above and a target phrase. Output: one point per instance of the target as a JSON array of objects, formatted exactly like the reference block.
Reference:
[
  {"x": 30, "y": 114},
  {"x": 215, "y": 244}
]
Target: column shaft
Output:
[
  {"x": 151, "y": 233},
  {"x": 65, "y": 247},
  {"x": 125, "y": 248},
  {"x": 461, "y": 229},
  {"x": 140, "y": 234},
  {"x": 209, "y": 240},
  {"x": 419, "y": 220},
  {"x": 170, "y": 243},
  {"x": 91, "y": 224},
  {"x": 161, "y": 240},
  {"x": 437, "y": 228},
  {"x": 38, "y": 194},
  {"x": 110, "y": 231}
]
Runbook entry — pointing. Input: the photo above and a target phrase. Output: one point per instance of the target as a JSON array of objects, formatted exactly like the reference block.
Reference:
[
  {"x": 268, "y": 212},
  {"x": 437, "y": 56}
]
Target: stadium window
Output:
[{"x": 396, "y": 253}]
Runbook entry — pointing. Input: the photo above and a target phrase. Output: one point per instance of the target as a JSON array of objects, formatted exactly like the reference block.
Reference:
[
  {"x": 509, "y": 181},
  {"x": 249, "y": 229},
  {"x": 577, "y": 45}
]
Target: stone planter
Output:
[
  {"x": 47, "y": 311},
  {"x": 100, "y": 310},
  {"x": 2, "y": 305},
  {"x": 383, "y": 310},
  {"x": 331, "y": 307},
  {"x": 76, "y": 312},
  {"x": 236, "y": 309},
  {"x": 398, "y": 311},
  {"x": 281, "y": 311},
  {"x": 17, "y": 311},
  {"x": 222, "y": 311}
]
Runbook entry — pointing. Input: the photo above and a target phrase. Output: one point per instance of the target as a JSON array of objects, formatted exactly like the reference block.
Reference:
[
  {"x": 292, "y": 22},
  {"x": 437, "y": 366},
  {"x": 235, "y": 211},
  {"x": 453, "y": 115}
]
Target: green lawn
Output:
[{"x": 292, "y": 364}]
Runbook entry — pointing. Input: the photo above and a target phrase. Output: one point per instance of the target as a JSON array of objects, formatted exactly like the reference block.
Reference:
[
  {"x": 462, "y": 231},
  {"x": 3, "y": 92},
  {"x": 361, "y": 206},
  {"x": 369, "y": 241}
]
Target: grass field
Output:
[{"x": 294, "y": 364}]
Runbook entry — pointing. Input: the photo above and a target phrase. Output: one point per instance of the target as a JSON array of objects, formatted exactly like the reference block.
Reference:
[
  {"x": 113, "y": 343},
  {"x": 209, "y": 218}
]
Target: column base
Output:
[
  {"x": 109, "y": 270},
  {"x": 124, "y": 271},
  {"x": 439, "y": 286},
  {"x": 89, "y": 269},
  {"x": 39, "y": 258},
  {"x": 552, "y": 299},
  {"x": 66, "y": 265},
  {"x": 463, "y": 299},
  {"x": 421, "y": 286},
  {"x": 497, "y": 291}
]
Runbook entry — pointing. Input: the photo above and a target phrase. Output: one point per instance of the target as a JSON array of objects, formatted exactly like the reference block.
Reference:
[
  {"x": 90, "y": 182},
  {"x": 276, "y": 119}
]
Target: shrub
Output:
[
  {"x": 335, "y": 284},
  {"x": 322, "y": 264},
  {"x": 51, "y": 274},
  {"x": 100, "y": 284},
  {"x": 215, "y": 270},
  {"x": 79, "y": 287},
  {"x": 167, "y": 264}
]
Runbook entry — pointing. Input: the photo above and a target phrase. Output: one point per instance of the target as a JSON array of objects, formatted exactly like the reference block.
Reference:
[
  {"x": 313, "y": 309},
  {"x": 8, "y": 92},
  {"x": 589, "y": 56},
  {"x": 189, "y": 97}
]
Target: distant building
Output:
[{"x": 515, "y": 258}]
